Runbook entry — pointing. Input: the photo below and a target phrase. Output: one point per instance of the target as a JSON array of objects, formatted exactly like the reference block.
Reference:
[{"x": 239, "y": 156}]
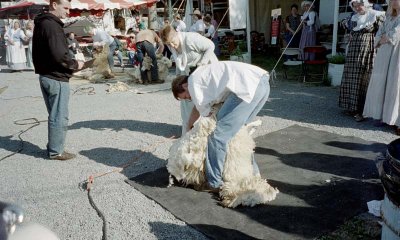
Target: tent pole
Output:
[
  {"x": 248, "y": 30},
  {"x": 335, "y": 27},
  {"x": 170, "y": 17}
]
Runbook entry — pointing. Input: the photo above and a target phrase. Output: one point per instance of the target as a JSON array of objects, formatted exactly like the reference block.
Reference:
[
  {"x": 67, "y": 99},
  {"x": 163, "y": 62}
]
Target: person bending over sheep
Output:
[{"x": 242, "y": 89}]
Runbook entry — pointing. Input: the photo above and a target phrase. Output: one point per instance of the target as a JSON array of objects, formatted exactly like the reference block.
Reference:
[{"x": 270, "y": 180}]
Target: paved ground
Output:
[{"x": 107, "y": 130}]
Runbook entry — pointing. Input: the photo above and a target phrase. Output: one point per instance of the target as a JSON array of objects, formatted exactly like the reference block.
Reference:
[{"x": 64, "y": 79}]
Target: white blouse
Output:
[
  {"x": 196, "y": 50},
  {"x": 366, "y": 20},
  {"x": 211, "y": 84}
]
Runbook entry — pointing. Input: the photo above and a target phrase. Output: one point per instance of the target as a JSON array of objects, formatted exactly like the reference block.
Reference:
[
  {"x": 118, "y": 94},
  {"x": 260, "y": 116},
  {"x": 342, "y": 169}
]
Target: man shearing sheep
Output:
[{"x": 242, "y": 89}]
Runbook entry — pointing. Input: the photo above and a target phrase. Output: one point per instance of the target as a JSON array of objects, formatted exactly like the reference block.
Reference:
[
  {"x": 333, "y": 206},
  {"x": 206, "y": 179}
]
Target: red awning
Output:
[
  {"x": 23, "y": 8},
  {"x": 108, "y": 4}
]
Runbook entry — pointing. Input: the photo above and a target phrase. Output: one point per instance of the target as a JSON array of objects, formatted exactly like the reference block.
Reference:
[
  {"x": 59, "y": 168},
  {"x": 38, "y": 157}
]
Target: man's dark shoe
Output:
[
  {"x": 158, "y": 82},
  {"x": 64, "y": 156}
]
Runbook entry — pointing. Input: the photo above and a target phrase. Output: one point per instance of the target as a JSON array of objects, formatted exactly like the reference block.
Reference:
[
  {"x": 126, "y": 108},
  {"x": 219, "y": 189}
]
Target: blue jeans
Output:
[
  {"x": 120, "y": 58},
  {"x": 56, "y": 98},
  {"x": 147, "y": 47},
  {"x": 110, "y": 57},
  {"x": 232, "y": 116},
  {"x": 131, "y": 57}
]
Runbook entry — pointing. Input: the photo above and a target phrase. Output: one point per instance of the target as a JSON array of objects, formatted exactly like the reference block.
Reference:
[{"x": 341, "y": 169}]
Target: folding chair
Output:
[
  {"x": 292, "y": 55},
  {"x": 314, "y": 56}
]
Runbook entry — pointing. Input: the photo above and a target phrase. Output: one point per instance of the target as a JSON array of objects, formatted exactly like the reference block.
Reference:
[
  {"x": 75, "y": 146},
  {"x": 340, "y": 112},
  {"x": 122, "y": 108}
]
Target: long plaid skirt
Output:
[{"x": 357, "y": 72}]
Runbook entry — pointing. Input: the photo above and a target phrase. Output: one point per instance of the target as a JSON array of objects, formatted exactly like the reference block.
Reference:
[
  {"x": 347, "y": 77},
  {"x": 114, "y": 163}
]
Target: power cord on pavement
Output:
[
  {"x": 28, "y": 121},
  {"x": 87, "y": 184}
]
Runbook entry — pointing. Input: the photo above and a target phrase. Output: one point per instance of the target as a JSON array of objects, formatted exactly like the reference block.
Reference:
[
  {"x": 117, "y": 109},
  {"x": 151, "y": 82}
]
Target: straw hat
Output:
[{"x": 196, "y": 12}]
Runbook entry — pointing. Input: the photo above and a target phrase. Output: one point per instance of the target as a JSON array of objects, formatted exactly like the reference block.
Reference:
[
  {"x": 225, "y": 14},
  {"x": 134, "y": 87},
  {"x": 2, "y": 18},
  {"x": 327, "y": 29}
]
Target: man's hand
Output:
[
  {"x": 193, "y": 118},
  {"x": 80, "y": 64},
  {"x": 384, "y": 40}
]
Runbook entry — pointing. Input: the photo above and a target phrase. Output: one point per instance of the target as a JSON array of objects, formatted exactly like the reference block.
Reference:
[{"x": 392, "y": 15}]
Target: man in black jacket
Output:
[{"x": 55, "y": 66}]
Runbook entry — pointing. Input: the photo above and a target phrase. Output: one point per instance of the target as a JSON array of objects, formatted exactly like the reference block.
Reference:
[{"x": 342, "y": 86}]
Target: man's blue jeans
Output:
[
  {"x": 110, "y": 57},
  {"x": 233, "y": 114},
  {"x": 56, "y": 97}
]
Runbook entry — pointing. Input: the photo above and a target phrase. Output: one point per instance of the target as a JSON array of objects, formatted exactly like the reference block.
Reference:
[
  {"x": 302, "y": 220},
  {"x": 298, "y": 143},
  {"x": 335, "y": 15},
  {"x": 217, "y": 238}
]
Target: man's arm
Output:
[
  {"x": 193, "y": 118},
  {"x": 159, "y": 42}
]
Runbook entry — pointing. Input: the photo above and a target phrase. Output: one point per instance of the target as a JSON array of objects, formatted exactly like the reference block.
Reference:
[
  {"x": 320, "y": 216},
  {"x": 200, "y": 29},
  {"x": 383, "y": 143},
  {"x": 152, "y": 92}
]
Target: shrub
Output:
[{"x": 337, "y": 59}]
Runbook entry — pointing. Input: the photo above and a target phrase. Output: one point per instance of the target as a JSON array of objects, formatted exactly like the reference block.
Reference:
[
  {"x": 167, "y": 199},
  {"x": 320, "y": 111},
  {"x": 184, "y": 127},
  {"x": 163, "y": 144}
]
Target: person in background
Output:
[
  {"x": 29, "y": 35},
  {"x": 103, "y": 38},
  {"x": 210, "y": 33},
  {"x": 359, "y": 58},
  {"x": 382, "y": 101},
  {"x": 189, "y": 51},
  {"x": 309, "y": 33},
  {"x": 376, "y": 6},
  {"x": 146, "y": 40},
  {"x": 292, "y": 22},
  {"x": 73, "y": 44},
  {"x": 166, "y": 53},
  {"x": 118, "y": 50},
  {"x": 179, "y": 25},
  {"x": 198, "y": 25},
  {"x": 16, "y": 58},
  {"x": 55, "y": 66},
  {"x": 213, "y": 21},
  {"x": 131, "y": 49}
]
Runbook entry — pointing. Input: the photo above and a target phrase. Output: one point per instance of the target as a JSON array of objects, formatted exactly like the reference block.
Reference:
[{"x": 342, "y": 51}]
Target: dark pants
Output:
[{"x": 143, "y": 48}]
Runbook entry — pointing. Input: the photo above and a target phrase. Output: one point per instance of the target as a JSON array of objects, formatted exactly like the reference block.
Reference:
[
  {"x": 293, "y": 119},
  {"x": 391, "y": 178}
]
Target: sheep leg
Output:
[{"x": 170, "y": 181}]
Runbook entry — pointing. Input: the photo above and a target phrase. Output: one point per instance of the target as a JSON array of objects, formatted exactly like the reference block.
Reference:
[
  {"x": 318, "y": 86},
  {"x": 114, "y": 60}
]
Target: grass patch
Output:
[{"x": 363, "y": 227}]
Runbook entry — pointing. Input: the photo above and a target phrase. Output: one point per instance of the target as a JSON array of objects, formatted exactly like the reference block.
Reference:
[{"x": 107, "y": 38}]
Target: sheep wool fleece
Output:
[{"x": 187, "y": 158}]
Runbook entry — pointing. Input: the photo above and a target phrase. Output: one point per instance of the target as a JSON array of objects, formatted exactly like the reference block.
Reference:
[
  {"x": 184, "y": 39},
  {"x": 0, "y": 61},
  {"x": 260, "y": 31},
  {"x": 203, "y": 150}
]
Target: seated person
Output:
[{"x": 131, "y": 49}]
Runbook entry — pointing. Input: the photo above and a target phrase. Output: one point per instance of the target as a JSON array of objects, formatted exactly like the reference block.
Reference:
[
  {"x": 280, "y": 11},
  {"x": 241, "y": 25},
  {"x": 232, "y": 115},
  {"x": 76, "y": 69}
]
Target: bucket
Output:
[
  {"x": 335, "y": 71},
  {"x": 391, "y": 220},
  {"x": 389, "y": 172}
]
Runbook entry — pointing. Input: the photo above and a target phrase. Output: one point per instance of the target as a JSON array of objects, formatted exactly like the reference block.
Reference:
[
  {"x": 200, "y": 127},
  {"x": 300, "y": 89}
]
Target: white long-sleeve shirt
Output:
[
  {"x": 102, "y": 37},
  {"x": 196, "y": 50},
  {"x": 211, "y": 84}
]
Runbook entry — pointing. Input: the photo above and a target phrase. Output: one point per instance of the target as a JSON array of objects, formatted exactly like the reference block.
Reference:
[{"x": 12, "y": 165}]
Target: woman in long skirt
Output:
[
  {"x": 309, "y": 32},
  {"x": 359, "y": 59},
  {"x": 383, "y": 96},
  {"x": 16, "y": 58}
]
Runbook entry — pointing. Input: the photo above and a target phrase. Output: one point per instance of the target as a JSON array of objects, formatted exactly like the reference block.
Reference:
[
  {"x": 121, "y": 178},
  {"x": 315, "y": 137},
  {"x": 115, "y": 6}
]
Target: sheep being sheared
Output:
[
  {"x": 187, "y": 159},
  {"x": 101, "y": 67},
  {"x": 163, "y": 64}
]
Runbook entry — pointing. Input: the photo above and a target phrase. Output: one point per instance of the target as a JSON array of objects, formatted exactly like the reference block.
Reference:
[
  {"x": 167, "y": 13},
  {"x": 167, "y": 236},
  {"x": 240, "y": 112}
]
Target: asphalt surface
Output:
[{"x": 107, "y": 130}]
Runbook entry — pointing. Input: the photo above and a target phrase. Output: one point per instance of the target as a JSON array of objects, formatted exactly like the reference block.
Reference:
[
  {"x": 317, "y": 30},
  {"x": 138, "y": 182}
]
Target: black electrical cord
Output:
[
  {"x": 100, "y": 213},
  {"x": 28, "y": 121}
]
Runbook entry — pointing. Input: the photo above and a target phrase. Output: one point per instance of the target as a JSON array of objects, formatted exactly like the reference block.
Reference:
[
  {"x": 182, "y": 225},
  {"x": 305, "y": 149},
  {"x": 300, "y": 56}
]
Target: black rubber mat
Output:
[{"x": 323, "y": 179}]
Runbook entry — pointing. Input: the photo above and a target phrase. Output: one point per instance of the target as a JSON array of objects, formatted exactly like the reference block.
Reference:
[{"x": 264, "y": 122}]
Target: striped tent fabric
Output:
[
  {"x": 108, "y": 4},
  {"x": 86, "y": 4}
]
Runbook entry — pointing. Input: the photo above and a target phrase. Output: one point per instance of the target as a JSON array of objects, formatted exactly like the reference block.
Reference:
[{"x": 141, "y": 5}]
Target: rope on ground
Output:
[
  {"x": 84, "y": 90},
  {"x": 273, "y": 72},
  {"x": 9, "y": 99},
  {"x": 28, "y": 121},
  {"x": 90, "y": 181}
]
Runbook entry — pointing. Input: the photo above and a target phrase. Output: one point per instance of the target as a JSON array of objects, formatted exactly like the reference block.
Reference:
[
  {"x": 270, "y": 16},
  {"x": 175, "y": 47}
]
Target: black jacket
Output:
[{"x": 50, "y": 52}]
